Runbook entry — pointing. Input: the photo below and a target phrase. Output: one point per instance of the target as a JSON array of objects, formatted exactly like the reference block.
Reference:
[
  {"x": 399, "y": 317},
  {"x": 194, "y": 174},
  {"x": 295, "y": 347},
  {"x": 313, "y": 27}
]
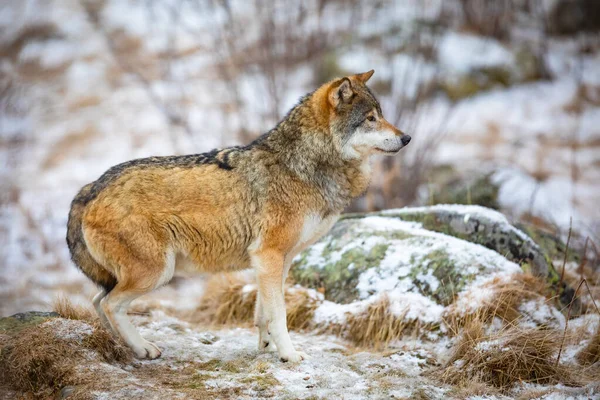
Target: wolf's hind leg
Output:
[
  {"x": 265, "y": 342},
  {"x": 115, "y": 306},
  {"x": 135, "y": 280},
  {"x": 103, "y": 320}
]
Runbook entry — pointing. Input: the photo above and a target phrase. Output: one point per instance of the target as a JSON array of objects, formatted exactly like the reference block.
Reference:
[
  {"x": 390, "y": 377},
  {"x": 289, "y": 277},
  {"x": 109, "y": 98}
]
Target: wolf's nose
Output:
[{"x": 405, "y": 139}]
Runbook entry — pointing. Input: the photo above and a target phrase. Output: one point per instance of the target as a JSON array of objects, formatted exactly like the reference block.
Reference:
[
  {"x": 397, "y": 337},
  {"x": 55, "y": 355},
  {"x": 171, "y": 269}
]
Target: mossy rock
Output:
[
  {"x": 449, "y": 187},
  {"x": 341, "y": 260},
  {"x": 551, "y": 244},
  {"x": 368, "y": 254},
  {"x": 476, "y": 81},
  {"x": 15, "y": 323},
  {"x": 482, "y": 226}
]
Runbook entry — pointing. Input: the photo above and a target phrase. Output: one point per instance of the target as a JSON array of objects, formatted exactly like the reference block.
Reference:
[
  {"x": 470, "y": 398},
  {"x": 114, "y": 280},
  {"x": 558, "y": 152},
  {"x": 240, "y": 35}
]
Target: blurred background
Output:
[{"x": 501, "y": 98}]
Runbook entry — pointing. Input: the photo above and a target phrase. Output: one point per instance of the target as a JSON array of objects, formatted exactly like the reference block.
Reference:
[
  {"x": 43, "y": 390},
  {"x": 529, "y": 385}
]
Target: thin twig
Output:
[
  {"x": 567, "y": 321},
  {"x": 583, "y": 280},
  {"x": 562, "y": 273}
]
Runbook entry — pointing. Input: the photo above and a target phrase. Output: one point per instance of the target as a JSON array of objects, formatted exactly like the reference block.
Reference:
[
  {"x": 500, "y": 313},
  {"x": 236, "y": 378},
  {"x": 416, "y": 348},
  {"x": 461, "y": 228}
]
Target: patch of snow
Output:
[
  {"x": 68, "y": 329},
  {"x": 479, "y": 211},
  {"x": 538, "y": 312},
  {"x": 461, "y": 52}
]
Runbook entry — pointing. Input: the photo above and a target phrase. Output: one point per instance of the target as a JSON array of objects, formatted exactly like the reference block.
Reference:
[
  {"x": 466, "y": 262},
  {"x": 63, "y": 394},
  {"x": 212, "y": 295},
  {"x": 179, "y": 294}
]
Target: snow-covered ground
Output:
[{"x": 82, "y": 96}]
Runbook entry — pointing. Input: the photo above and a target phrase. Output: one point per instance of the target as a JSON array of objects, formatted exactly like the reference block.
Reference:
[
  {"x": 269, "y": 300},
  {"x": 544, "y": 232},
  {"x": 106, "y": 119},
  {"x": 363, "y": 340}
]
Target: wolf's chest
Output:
[{"x": 313, "y": 228}]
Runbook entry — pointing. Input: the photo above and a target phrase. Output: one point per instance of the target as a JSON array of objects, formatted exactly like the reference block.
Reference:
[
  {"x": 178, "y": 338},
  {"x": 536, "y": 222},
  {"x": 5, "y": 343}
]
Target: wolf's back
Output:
[{"x": 77, "y": 247}]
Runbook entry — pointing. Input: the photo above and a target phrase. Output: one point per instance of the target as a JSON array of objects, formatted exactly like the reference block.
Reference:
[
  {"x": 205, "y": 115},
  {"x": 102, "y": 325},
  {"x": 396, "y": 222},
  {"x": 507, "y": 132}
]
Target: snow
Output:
[
  {"x": 539, "y": 313},
  {"x": 51, "y": 54},
  {"x": 479, "y": 293},
  {"x": 69, "y": 330},
  {"x": 468, "y": 258},
  {"x": 461, "y": 52},
  {"x": 480, "y": 212},
  {"x": 331, "y": 369}
]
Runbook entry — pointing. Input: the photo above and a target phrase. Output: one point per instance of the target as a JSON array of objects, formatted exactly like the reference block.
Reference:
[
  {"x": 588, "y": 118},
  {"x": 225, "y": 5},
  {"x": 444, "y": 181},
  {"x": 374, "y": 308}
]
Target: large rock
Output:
[
  {"x": 420, "y": 259},
  {"x": 365, "y": 255}
]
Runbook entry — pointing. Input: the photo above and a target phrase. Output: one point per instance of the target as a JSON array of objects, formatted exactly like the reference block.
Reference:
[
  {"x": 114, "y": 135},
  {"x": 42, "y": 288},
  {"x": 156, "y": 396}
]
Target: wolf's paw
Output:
[
  {"x": 147, "y": 350},
  {"x": 296, "y": 356}
]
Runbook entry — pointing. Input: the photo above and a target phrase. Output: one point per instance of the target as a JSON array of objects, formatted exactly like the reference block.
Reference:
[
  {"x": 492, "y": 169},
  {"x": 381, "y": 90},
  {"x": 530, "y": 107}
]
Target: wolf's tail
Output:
[{"x": 79, "y": 251}]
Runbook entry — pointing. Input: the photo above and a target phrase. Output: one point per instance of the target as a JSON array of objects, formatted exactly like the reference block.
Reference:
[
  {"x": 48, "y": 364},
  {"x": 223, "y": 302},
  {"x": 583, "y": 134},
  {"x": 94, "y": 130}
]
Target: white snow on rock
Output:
[{"x": 474, "y": 210}]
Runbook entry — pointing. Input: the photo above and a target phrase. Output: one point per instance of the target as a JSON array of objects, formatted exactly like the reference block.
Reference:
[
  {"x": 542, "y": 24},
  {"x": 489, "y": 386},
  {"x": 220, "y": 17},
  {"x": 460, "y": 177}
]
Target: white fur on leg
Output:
[
  {"x": 270, "y": 287},
  {"x": 265, "y": 342},
  {"x": 281, "y": 337}
]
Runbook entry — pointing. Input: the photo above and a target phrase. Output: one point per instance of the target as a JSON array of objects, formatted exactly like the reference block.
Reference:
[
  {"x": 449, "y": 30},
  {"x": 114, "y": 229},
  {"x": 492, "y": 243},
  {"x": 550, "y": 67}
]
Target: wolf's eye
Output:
[{"x": 371, "y": 118}]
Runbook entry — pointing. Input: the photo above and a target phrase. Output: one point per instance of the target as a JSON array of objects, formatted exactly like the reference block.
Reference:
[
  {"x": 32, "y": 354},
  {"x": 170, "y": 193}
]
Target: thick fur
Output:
[{"x": 253, "y": 206}]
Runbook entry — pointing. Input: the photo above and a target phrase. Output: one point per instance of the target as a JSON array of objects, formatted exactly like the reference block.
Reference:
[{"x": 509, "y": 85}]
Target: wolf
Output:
[{"x": 255, "y": 206}]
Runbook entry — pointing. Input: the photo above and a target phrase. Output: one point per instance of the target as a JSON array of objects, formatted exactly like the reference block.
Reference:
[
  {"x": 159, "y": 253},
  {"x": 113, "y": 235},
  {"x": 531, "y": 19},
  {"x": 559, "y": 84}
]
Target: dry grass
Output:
[
  {"x": 483, "y": 357},
  {"x": 376, "y": 326},
  {"x": 66, "y": 309},
  {"x": 45, "y": 358},
  {"x": 573, "y": 277},
  {"x": 504, "y": 304},
  {"x": 47, "y": 364},
  {"x": 505, "y": 358},
  {"x": 590, "y": 354},
  {"x": 225, "y": 302},
  {"x": 301, "y": 308},
  {"x": 231, "y": 300},
  {"x": 106, "y": 345}
]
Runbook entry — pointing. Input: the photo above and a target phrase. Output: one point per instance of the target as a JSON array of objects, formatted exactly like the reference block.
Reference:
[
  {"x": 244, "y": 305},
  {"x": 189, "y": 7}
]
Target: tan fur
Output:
[{"x": 256, "y": 206}]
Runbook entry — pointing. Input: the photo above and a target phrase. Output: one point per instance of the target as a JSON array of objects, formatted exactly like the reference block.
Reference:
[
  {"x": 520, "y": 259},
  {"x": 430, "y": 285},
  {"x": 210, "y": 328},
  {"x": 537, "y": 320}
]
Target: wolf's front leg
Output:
[
  {"x": 269, "y": 271},
  {"x": 265, "y": 343}
]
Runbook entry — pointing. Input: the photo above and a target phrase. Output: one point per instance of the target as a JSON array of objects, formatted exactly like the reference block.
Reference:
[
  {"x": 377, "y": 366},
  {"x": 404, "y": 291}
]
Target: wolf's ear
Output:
[
  {"x": 340, "y": 92},
  {"x": 365, "y": 76}
]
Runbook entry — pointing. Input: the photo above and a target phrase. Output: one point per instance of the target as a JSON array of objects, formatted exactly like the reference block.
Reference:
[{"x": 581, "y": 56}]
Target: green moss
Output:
[
  {"x": 197, "y": 381},
  {"x": 339, "y": 279},
  {"x": 210, "y": 365},
  {"x": 452, "y": 280},
  {"x": 233, "y": 366},
  {"x": 261, "y": 382},
  {"x": 551, "y": 244}
]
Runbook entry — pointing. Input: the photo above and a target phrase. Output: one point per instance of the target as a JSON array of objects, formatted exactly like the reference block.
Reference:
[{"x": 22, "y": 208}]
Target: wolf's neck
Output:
[{"x": 308, "y": 151}]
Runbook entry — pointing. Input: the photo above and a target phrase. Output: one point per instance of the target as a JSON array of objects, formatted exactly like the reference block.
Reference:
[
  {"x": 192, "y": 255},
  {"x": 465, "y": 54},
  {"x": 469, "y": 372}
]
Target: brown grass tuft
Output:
[
  {"x": 34, "y": 360},
  {"x": 66, "y": 309},
  {"x": 231, "y": 300},
  {"x": 225, "y": 302},
  {"x": 508, "y": 296},
  {"x": 111, "y": 349},
  {"x": 300, "y": 307},
  {"x": 590, "y": 354},
  {"x": 376, "y": 326},
  {"x": 45, "y": 357},
  {"x": 505, "y": 358}
]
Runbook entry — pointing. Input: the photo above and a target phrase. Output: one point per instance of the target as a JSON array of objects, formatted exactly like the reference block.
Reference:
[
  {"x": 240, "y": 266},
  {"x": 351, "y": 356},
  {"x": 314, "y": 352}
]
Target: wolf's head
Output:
[{"x": 356, "y": 120}]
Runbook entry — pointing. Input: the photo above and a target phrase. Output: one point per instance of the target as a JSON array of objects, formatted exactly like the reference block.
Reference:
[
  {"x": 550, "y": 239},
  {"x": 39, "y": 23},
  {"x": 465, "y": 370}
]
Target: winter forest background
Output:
[{"x": 501, "y": 98}]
